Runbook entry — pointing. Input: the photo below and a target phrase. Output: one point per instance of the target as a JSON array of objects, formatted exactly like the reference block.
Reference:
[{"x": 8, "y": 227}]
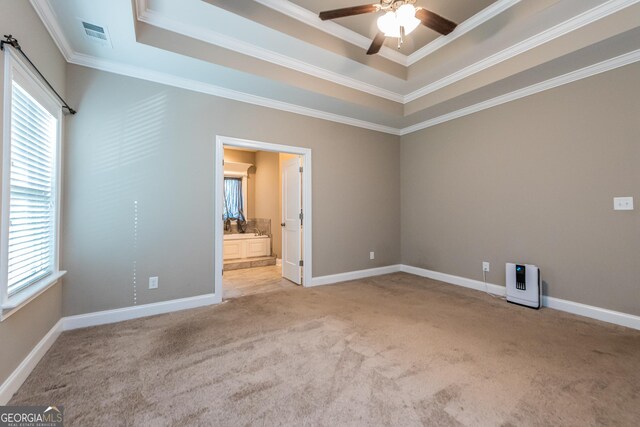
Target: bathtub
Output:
[{"x": 247, "y": 245}]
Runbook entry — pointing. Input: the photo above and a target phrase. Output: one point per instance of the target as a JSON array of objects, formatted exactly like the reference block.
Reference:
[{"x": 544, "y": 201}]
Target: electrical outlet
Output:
[
  {"x": 372, "y": 255},
  {"x": 153, "y": 282},
  {"x": 486, "y": 266},
  {"x": 623, "y": 203}
]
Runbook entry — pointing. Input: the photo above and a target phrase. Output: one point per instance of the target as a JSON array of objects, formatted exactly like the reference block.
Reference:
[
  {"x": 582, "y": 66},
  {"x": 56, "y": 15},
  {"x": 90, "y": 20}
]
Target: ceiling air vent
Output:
[{"x": 96, "y": 33}]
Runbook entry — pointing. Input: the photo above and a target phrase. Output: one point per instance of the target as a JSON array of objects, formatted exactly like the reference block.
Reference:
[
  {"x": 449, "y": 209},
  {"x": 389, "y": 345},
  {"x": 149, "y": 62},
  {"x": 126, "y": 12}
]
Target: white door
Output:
[{"x": 291, "y": 221}]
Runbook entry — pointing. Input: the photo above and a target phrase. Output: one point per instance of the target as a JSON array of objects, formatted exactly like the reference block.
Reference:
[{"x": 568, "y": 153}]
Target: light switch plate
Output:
[
  {"x": 623, "y": 203},
  {"x": 153, "y": 282}
]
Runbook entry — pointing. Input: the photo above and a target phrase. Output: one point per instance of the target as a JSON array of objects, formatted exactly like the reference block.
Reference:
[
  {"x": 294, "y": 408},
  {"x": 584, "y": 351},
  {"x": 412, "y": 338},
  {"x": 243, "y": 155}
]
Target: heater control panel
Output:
[
  {"x": 523, "y": 284},
  {"x": 521, "y": 277}
]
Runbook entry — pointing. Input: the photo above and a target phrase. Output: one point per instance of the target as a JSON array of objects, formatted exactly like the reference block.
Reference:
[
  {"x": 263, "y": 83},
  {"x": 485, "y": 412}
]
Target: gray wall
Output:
[
  {"x": 24, "y": 329},
  {"x": 533, "y": 181},
  {"x": 267, "y": 195},
  {"x": 134, "y": 140},
  {"x": 138, "y": 141},
  {"x": 21, "y": 331}
]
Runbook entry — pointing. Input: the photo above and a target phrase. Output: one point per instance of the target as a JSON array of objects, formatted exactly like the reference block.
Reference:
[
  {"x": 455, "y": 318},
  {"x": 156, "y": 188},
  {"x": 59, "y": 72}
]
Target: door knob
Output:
[{"x": 282, "y": 224}]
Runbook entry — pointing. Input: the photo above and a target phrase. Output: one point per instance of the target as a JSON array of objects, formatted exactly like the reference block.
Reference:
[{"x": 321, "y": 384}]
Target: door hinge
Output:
[
  {"x": 301, "y": 217},
  {"x": 300, "y": 169},
  {"x": 301, "y": 263},
  {"x": 222, "y": 162}
]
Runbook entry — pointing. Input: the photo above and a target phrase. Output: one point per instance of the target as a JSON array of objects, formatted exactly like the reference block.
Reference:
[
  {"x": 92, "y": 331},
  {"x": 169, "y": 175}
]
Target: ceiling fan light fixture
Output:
[
  {"x": 389, "y": 25},
  {"x": 406, "y": 16},
  {"x": 400, "y": 19}
]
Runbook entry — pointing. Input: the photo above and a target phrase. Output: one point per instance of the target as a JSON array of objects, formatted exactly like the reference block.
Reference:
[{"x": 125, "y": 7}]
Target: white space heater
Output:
[{"x": 523, "y": 284}]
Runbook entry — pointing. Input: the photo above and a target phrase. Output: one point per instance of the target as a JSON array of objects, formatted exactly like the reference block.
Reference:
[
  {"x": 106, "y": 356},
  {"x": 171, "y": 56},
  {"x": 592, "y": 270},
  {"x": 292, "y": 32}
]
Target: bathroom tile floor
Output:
[{"x": 250, "y": 281}]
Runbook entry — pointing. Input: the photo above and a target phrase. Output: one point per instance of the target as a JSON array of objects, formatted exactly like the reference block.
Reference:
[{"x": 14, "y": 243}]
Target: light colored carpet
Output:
[{"x": 390, "y": 350}]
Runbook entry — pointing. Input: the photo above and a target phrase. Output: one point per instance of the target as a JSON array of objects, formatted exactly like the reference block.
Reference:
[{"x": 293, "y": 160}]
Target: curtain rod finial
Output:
[{"x": 11, "y": 41}]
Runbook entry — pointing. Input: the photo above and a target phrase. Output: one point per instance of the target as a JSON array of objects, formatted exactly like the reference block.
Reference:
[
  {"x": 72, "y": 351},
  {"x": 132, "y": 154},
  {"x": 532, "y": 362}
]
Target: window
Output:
[
  {"x": 30, "y": 172},
  {"x": 236, "y": 177},
  {"x": 233, "y": 200}
]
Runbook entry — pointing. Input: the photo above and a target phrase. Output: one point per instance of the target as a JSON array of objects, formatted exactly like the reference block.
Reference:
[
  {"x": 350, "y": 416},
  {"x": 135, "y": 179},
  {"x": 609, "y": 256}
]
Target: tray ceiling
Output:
[{"x": 279, "y": 54}]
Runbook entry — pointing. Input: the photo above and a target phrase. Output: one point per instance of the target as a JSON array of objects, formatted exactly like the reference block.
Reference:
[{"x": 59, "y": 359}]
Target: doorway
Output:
[{"x": 262, "y": 227}]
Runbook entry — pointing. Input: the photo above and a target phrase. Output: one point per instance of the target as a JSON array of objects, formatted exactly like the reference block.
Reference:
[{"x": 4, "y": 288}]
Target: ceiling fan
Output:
[{"x": 401, "y": 18}]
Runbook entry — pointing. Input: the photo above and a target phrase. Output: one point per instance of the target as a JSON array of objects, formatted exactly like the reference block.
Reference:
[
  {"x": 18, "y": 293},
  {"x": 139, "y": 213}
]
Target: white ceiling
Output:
[{"x": 277, "y": 53}]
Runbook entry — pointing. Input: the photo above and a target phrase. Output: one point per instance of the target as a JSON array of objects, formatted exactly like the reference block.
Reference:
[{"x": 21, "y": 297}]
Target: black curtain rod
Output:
[{"x": 13, "y": 42}]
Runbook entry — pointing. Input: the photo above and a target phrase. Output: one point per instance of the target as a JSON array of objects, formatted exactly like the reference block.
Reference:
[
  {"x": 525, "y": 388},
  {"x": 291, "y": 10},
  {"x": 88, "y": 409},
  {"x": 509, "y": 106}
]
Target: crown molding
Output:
[
  {"x": 156, "y": 19},
  {"x": 309, "y": 18},
  {"x": 591, "y": 70},
  {"x": 579, "y": 21},
  {"x": 171, "y": 80},
  {"x": 210, "y": 89},
  {"x": 476, "y": 20},
  {"x": 48, "y": 17}
]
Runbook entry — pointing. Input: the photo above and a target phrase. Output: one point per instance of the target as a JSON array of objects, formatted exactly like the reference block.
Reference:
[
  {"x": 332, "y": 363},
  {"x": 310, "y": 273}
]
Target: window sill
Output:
[{"x": 22, "y": 298}]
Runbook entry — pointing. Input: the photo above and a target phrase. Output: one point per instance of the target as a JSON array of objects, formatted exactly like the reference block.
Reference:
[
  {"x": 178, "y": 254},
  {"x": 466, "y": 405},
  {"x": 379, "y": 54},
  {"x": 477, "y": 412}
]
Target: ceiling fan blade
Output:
[
  {"x": 435, "y": 21},
  {"x": 376, "y": 44},
  {"x": 348, "y": 11}
]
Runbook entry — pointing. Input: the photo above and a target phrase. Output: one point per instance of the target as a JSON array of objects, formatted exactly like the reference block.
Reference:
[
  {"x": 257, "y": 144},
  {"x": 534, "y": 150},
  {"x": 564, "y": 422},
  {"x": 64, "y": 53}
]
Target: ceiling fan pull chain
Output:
[{"x": 401, "y": 38}]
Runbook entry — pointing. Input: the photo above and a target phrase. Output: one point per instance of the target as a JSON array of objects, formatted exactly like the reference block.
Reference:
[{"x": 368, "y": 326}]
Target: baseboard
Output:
[
  {"x": 455, "y": 280},
  {"x": 353, "y": 275},
  {"x": 135, "y": 312},
  {"x": 610, "y": 316},
  {"x": 20, "y": 374},
  {"x": 603, "y": 314}
]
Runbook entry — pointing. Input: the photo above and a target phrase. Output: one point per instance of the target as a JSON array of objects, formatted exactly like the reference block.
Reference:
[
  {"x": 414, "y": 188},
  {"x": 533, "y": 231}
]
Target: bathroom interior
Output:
[{"x": 253, "y": 221}]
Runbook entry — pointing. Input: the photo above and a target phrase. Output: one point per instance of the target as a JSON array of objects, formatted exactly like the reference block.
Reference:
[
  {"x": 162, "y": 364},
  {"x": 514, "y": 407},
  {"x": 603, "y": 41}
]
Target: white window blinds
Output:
[{"x": 32, "y": 210}]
